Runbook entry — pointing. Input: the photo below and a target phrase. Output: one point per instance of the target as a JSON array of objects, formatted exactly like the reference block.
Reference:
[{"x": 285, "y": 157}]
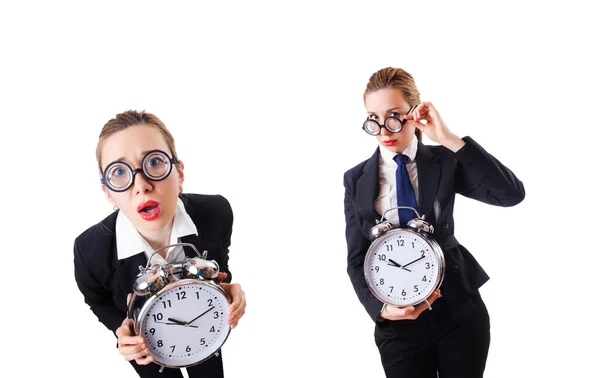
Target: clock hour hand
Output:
[
  {"x": 414, "y": 261},
  {"x": 191, "y": 321},
  {"x": 185, "y": 325},
  {"x": 393, "y": 263}
]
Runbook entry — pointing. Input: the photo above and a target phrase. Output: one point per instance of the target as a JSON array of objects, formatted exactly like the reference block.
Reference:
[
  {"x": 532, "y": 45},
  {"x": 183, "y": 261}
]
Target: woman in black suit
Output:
[
  {"x": 453, "y": 339},
  {"x": 152, "y": 212}
]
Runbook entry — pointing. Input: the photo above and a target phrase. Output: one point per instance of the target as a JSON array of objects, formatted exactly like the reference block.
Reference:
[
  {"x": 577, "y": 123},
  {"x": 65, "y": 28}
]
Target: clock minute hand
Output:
[
  {"x": 414, "y": 261},
  {"x": 393, "y": 263},
  {"x": 191, "y": 321}
]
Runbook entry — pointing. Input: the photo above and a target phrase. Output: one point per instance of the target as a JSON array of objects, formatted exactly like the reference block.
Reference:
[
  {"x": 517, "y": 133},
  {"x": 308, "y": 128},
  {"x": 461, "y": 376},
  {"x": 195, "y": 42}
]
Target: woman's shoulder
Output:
[
  {"x": 193, "y": 201},
  {"x": 99, "y": 234},
  {"x": 357, "y": 170},
  {"x": 207, "y": 207}
]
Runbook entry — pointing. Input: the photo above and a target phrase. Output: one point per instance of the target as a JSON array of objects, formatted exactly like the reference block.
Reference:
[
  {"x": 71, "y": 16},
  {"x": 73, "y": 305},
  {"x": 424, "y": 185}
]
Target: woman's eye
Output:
[
  {"x": 119, "y": 172},
  {"x": 395, "y": 114},
  {"x": 154, "y": 162},
  {"x": 373, "y": 117}
]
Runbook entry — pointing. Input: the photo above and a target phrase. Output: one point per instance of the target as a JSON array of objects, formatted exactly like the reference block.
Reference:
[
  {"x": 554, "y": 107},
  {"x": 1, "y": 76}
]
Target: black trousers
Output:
[
  {"x": 211, "y": 368},
  {"x": 452, "y": 340}
]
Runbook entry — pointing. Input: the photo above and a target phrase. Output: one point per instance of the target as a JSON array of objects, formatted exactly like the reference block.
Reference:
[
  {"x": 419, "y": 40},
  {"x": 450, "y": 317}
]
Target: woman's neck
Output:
[{"x": 159, "y": 238}]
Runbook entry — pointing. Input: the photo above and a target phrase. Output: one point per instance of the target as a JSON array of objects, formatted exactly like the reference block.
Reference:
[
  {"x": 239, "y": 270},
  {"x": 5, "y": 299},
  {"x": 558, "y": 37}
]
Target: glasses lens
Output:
[
  {"x": 371, "y": 127},
  {"x": 157, "y": 165},
  {"x": 393, "y": 124},
  {"x": 118, "y": 176}
]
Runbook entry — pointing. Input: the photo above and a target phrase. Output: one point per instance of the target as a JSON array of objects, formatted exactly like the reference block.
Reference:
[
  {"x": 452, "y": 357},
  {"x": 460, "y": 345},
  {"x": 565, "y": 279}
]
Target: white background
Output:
[{"x": 265, "y": 103}]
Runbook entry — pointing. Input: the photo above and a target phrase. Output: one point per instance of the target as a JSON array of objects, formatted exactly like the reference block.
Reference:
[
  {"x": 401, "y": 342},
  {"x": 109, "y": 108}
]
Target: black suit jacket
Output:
[
  {"x": 105, "y": 281},
  {"x": 471, "y": 171}
]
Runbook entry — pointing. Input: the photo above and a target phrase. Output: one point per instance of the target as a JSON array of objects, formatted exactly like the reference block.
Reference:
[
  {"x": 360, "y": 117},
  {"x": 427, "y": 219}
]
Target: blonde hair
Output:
[
  {"x": 130, "y": 118},
  {"x": 396, "y": 78}
]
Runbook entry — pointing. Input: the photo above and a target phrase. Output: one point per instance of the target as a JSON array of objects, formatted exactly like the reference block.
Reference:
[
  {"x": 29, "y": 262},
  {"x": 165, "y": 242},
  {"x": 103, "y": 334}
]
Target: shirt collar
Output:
[
  {"x": 130, "y": 242},
  {"x": 387, "y": 156}
]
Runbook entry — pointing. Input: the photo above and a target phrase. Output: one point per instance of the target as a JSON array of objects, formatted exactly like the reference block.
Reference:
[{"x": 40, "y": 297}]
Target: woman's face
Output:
[
  {"x": 130, "y": 146},
  {"x": 382, "y": 104}
]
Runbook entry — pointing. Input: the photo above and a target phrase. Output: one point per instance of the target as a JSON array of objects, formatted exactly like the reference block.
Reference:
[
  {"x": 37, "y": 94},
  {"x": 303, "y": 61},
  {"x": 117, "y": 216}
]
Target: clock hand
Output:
[
  {"x": 191, "y": 321},
  {"x": 177, "y": 321},
  {"x": 414, "y": 261},
  {"x": 393, "y": 263},
  {"x": 185, "y": 325}
]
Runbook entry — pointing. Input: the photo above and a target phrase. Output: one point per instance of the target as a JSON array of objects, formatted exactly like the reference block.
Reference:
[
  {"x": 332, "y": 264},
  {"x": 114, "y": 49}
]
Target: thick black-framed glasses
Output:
[
  {"x": 156, "y": 166},
  {"x": 391, "y": 123}
]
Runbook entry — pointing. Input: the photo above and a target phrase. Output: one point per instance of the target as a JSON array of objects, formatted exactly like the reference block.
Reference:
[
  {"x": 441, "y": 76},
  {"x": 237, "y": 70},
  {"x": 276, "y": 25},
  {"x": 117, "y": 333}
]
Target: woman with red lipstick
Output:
[
  {"x": 142, "y": 177},
  {"x": 452, "y": 339}
]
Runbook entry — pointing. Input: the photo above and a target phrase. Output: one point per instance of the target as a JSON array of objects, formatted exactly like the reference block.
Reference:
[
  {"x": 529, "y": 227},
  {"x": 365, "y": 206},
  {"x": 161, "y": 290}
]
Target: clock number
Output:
[
  {"x": 212, "y": 329},
  {"x": 158, "y": 316},
  {"x": 216, "y": 314},
  {"x": 382, "y": 257},
  {"x": 424, "y": 279},
  {"x": 180, "y": 295},
  {"x": 403, "y": 292},
  {"x": 152, "y": 331},
  {"x": 400, "y": 243},
  {"x": 202, "y": 341},
  {"x": 389, "y": 248},
  {"x": 172, "y": 348},
  {"x": 391, "y": 289},
  {"x": 413, "y": 244},
  {"x": 168, "y": 302},
  {"x": 197, "y": 295},
  {"x": 381, "y": 281},
  {"x": 159, "y": 343},
  {"x": 422, "y": 253},
  {"x": 209, "y": 302},
  {"x": 188, "y": 349},
  {"x": 377, "y": 269},
  {"x": 416, "y": 288},
  {"x": 427, "y": 266}
]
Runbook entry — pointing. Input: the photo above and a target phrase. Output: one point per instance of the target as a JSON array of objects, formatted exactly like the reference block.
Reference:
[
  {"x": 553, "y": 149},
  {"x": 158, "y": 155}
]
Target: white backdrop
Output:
[{"x": 265, "y": 103}]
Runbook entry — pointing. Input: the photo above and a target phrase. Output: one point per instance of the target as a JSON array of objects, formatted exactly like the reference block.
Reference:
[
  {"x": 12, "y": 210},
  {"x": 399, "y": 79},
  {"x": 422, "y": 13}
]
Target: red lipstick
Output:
[
  {"x": 389, "y": 143},
  {"x": 149, "y": 210}
]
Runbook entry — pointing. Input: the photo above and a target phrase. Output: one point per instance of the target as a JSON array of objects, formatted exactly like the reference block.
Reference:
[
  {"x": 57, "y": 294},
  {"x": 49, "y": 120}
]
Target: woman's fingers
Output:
[
  {"x": 409, "y": 312},
  {"x": 238, "y": 305}
]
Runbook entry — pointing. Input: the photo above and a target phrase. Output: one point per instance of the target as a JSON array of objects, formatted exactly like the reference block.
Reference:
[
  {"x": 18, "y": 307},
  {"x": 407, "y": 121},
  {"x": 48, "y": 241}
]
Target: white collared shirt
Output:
[
  {"x": 387, "y": 197},
  {"x": 130, "y": 242}
]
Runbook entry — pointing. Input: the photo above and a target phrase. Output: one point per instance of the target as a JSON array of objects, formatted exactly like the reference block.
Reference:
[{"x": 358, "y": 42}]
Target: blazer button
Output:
[
  {"x": 446, "y": 225},
  {"x": 455, "y": 268}
]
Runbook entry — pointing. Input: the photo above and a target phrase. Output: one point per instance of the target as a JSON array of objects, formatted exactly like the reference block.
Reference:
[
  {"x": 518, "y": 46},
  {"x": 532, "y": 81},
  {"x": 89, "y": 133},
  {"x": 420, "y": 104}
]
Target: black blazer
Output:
[
  {"x": 471, "y": 171},
  {"x": 105, "y": 281}
]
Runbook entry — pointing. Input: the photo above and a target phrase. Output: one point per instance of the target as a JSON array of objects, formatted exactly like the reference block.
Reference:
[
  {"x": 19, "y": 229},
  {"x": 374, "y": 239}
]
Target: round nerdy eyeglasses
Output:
[
  {"x": 156, "y": 166},
  {"x": 392, "y": 124}
]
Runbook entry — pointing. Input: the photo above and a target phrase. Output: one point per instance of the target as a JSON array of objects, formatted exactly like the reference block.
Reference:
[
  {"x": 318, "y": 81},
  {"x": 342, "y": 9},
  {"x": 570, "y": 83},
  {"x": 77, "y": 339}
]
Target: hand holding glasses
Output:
[
  {"x": 156, "y": 166},
  {"x": 392, "y": 124}
]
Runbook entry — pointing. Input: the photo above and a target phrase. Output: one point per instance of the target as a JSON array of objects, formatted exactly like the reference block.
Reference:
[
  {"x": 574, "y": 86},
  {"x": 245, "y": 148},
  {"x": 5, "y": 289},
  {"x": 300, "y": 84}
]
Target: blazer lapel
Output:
[
  {"x": 126, "y": 271},
  {"x": 428, "y": 170},
  {"x": 367, "y": 189}
]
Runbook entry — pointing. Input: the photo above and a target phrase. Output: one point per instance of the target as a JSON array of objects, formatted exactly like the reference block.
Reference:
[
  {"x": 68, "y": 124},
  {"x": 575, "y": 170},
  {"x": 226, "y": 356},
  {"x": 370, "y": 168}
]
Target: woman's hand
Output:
[
  {"x": 410, "y": 312},
  {"x": 427, "y": 119},
  {"x": 237, "y": 308},
  {"x": 132, "y": 347}
]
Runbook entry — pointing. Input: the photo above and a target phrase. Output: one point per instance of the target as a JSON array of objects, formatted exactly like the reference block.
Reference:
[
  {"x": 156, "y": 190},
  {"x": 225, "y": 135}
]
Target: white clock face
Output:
[
  {"x": 185, "y": 324},
  {"x": 402, "y": 268}
]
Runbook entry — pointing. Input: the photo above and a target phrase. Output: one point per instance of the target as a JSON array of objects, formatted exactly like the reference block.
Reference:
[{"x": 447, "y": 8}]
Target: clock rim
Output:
[
  {"x": 170, "y": 286},
  {"x": 436, "y": 249}
]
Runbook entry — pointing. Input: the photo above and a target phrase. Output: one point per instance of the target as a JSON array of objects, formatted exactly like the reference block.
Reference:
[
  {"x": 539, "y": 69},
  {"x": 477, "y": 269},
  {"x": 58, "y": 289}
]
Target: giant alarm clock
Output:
[
  {"x": 403, "y": 266},
  {"x": 183, "y": 320}
]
